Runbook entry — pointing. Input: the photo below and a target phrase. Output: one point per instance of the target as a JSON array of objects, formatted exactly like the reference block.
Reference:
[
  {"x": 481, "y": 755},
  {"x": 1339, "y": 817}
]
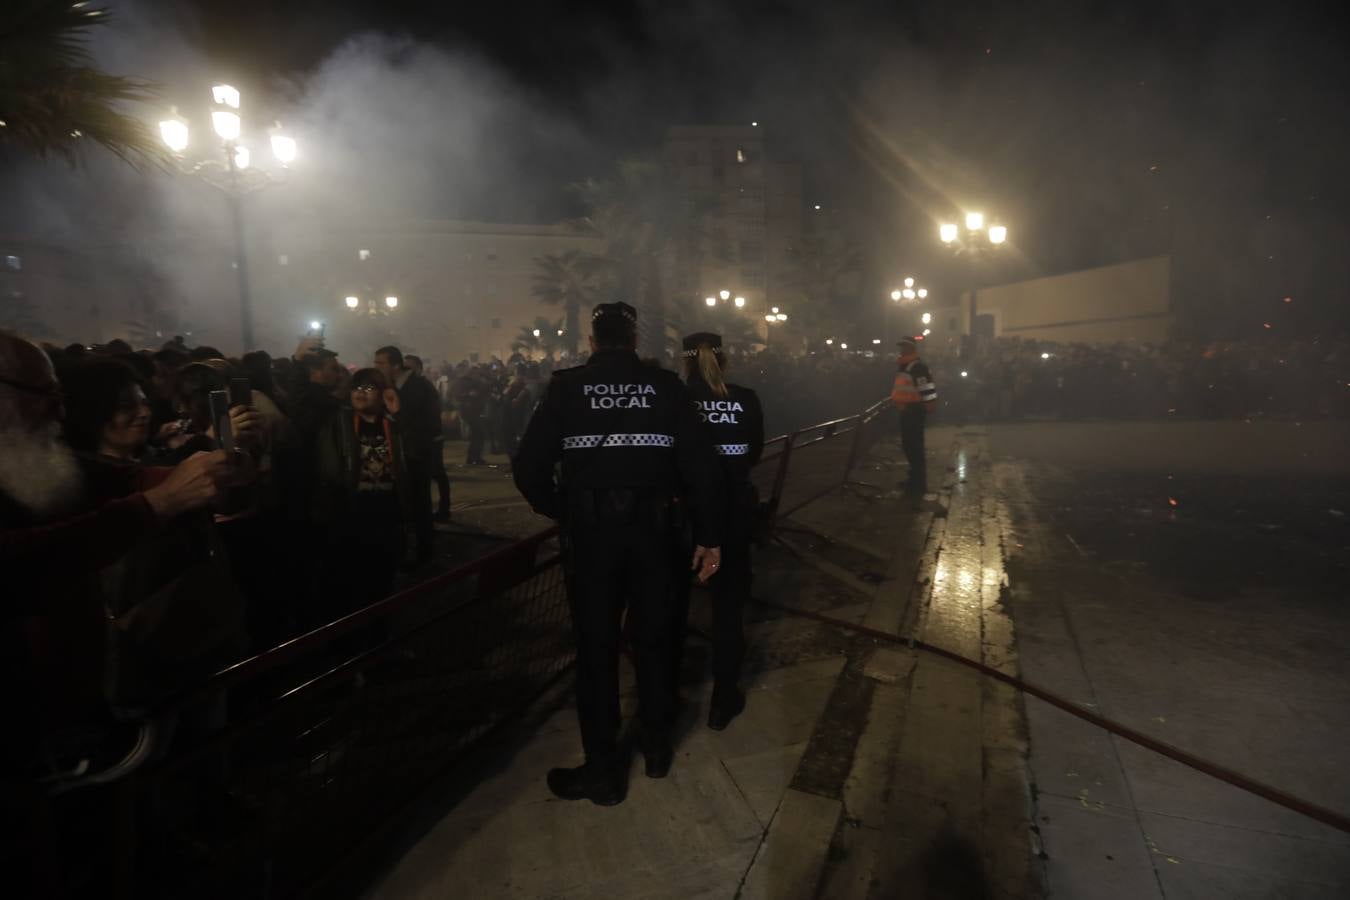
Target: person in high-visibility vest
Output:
[{"x": 915, "y": 395}]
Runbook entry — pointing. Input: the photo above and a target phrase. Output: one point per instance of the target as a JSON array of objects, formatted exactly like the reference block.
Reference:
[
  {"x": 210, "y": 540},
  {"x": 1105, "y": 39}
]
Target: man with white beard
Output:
[{"x": 51, "y": 559}]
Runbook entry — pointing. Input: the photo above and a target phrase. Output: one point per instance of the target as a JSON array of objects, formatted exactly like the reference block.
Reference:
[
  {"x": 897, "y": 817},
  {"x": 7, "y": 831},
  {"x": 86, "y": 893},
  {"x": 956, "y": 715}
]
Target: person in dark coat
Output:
[
  {"x": 628, "y": 439},
  {"x": 419, "y": 416}
]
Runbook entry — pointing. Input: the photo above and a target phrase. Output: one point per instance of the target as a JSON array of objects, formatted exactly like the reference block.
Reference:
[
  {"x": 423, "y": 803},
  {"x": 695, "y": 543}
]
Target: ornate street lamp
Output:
[
  {"x": 977, "y": 241},
  {"x": 231, "y": 171}
]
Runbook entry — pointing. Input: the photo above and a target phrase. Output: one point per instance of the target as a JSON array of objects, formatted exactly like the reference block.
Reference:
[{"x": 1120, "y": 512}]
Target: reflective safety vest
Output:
[
  {"x": 914, "y": 386},
  {"x": 903, "y": 392}
]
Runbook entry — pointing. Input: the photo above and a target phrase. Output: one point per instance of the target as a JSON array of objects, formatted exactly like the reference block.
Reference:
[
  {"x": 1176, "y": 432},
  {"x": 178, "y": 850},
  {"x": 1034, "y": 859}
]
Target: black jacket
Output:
[
  {"x": 734, "y": 423},
  {"x": 618, "y": 423},
  {"x": 419, "y": 416}
]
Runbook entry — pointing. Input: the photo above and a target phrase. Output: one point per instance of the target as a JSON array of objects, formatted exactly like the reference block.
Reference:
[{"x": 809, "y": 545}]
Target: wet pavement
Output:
[{"x": 1205, "y": 607}]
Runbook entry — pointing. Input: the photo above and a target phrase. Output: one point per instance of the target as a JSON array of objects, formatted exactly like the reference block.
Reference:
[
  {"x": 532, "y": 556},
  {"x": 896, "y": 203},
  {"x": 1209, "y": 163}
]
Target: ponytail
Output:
[{"x": 710, "y": 370}]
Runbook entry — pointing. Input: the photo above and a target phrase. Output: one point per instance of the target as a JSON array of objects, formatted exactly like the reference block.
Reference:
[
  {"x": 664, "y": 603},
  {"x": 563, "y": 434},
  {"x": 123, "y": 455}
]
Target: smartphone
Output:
[
  {"x": 220, "y": 415},
  {"x": 240, "y": 392},
  {"x": 316, "y": 332}
]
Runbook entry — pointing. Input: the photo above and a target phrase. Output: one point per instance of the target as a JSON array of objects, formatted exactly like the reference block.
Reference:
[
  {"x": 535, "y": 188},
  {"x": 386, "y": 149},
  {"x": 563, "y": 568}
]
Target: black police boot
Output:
[
  {"x": 658, "y": 754},
  {"x": 602, "y": 785},
  {"x": 726, "y": 705}
]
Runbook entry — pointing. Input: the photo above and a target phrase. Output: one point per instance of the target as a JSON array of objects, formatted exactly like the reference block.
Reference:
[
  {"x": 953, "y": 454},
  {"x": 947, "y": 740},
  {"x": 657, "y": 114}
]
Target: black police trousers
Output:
[
  {"x": 729, "y": 590},
  {"x": 911, "y": 440},
  {"x": 613, "y": 564}
]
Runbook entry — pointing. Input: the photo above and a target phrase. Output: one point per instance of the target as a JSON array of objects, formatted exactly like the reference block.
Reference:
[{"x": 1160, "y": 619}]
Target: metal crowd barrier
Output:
[{"x": 287, "y": 763}]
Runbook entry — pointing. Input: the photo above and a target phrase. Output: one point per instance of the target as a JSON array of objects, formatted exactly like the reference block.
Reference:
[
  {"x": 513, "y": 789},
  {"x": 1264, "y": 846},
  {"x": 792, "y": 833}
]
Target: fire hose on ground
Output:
[{"x": 1214, "y": 770}]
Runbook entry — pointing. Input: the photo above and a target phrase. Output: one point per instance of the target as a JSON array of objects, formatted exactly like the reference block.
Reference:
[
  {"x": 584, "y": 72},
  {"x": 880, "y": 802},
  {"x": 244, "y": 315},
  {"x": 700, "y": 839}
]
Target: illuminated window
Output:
[
  {"x": 740, "y": 155},
  {"x": 363, "y": 255},
  {"x": 13, "y": 263}
]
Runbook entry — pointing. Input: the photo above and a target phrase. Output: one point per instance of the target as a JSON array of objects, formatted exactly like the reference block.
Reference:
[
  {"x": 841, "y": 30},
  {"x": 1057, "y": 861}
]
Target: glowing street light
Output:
[
  {"x": 352, "y": 302},
  {"x": 284, "y": 149},
  {"x": 391, "y": 302},
  {"x": 1045, "y": 356},
  {"x": 829, "y": 342},
  {"x": 964, "y": 373},
  {"x": 926, "y": 318},
  {"x": 908, "y": 293},
  {"x": 927, "y": 332},
  {"x": 225, "y": 95},
  {"x": 976, "y": 240},
  {"x": 724, "y": 294},
  {"x": 770, "y": 318},
  {"x": 843, "y": 346},
  {"x": 740, "y": 302},
  {"x": 876, "y": 340},
  {"x": 232, "y": 173},
  {"x": 711, "y": 301},
  {"x": 175, "y": 134},
  {"x": 315, "y": 325},
  {"x": 226, "y": 124},
  {"x": 536, "y": 332},
  {"x": 782, "y": 317}
]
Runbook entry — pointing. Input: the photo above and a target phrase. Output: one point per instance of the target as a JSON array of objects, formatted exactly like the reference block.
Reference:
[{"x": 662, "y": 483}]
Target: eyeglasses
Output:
[
  {"x": 365, "y": 389},
  {"x": 50, "y": 391}
]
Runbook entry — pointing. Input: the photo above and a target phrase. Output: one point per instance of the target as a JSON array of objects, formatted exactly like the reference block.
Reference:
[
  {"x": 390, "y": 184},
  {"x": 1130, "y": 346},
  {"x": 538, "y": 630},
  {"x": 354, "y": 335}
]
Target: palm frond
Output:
[{"x": 53, "y": 101}]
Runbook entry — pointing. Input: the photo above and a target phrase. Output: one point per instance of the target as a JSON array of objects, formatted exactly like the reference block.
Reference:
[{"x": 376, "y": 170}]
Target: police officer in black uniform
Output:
[
  {"x": 735, "y": 421},
  {"x": 628, "y": 439}
]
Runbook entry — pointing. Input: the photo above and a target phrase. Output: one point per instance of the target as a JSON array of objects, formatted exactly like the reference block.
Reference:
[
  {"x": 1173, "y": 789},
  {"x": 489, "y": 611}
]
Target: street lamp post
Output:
[
  {"x": 975, "y": 243},
  {"x": 373, "y": 309},
  {"x": 910, "y": 293},
  {"x": 775, "y": 316},
  {"x": 234, "y": 175}
]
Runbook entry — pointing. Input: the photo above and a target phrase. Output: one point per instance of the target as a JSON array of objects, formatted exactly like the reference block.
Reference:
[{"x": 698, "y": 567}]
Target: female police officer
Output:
[{"x": 732, "y": 416}]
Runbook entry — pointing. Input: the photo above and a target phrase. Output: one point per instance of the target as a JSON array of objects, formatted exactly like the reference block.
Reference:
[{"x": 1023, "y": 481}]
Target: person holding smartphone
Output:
[{"x": 362, "y": 498}]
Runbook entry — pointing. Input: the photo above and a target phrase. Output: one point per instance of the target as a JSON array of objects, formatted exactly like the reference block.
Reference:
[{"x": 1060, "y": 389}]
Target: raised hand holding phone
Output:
[{"x": 220, "y": 420}]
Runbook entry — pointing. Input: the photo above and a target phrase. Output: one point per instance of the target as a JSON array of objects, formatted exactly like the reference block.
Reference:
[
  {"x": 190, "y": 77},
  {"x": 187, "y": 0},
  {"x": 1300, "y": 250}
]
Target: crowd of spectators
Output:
[
  {"x": 164, "y": 513},
  {"x": 1013, "y": 379},
  {"x": 1006, "y": 379}
]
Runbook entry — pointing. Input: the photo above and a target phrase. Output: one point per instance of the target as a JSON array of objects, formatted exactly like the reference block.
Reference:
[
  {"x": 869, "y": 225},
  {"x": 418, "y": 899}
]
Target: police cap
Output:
[
  {"x": 618, "y": 308},
  {"x": 702, "y": 339}
]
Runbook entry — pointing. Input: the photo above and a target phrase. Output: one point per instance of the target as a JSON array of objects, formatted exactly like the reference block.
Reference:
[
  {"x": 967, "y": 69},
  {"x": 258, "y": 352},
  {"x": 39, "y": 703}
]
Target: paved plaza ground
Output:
[{"x": 1188, "y": 580}]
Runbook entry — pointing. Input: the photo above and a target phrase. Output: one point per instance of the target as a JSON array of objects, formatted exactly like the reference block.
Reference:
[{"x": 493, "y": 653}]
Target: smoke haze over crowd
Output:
[{"x": 1209, "y": 131}]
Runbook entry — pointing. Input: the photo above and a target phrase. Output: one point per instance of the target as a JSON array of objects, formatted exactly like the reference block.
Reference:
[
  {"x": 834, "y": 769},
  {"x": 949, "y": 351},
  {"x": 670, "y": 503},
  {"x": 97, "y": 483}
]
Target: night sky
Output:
[{"x": 1098, "y": 132}]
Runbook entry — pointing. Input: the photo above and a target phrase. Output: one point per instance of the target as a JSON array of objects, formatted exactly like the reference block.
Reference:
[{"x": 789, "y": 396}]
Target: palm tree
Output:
[
  {"x": 52, "y": 99},
  {"x": 648, "y": 221},
  {"x": 568, "y": 280},
  {"x": 542, "y": 335},
  {"x": 826, "y": 267}
]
